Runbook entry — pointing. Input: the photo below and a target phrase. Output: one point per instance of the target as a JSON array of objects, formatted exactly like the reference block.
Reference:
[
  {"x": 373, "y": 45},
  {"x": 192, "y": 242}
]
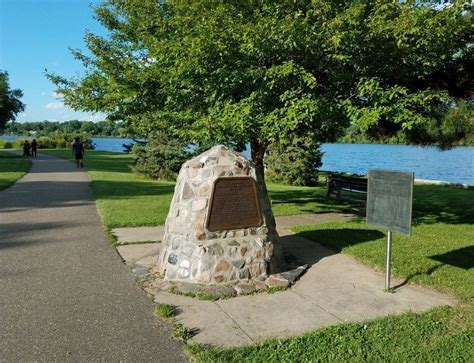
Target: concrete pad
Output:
[
  {"x": 276, "y": 315},
  {"x": 132, "y": 254},
  {"x": 352, "y": 292},
  {"x": 212, "y": 324},
  {"x": 335, "y": 289},
  {"x": 139, "y": 234}
]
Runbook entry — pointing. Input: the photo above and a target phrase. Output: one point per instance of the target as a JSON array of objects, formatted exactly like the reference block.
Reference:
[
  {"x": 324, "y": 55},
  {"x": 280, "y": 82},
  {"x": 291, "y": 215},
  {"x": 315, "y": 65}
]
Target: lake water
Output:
[{"x": 455, "y": 165}]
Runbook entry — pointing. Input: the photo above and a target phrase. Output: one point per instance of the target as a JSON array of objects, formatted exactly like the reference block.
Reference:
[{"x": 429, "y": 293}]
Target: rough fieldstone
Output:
[
  {"x": 277, "y": 280},
  {"x": 238, "y": 263},
  {"x": 260, "y": 285},
  {"x": 244, "y": 274},
  {"x": 187, "y": 288},
  {"x": 172, "y": 259},
  {"x": 293, "y": 275},
  {"x": 231, "y": 251},
  {"x": 219, "y": 291},
  {"x": 216, "y": 249},
  {"x": 198, "y": 204},
  {"x": 244, "y": 288},
  {"x": 187, "y": 192},
  {"x": 222, "y": 266}
]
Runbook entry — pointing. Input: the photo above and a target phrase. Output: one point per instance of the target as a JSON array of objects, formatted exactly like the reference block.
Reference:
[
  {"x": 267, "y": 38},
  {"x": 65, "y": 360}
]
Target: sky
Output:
[{"x": 36, "y": 35}]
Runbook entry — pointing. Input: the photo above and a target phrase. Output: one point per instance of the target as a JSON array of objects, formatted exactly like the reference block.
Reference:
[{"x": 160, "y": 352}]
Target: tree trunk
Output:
[{"x": 258, "y": 153}]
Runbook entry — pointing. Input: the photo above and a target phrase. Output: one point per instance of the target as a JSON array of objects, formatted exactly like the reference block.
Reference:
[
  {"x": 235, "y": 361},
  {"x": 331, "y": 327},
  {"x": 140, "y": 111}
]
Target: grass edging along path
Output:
[
  {"x": 436, "y": 255},
  {"x": 12, "y": 168}
]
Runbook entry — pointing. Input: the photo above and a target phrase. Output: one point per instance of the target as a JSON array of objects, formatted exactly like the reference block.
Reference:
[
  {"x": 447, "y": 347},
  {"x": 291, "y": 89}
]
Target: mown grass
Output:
[
  {"x": 12, "y": 168},
  {"x": 440, "y": 335}
]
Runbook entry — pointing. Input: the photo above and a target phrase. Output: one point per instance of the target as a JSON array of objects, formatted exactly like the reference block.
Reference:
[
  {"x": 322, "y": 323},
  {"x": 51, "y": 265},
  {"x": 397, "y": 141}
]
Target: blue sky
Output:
[{"x": 36, "y": 35}]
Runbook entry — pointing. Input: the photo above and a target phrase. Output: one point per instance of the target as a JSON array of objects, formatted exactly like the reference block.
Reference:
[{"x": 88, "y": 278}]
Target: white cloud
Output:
[{"x": 55, "y": 106}]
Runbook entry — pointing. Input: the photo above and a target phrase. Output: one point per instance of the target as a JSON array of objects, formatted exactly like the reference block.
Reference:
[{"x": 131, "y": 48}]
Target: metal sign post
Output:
[{"x": 387, "y": 266}]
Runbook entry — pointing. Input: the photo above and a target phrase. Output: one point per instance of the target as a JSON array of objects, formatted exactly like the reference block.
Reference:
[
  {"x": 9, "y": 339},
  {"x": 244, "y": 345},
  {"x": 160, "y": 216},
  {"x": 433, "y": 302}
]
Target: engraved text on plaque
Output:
[{"x": 234, "y": 204}]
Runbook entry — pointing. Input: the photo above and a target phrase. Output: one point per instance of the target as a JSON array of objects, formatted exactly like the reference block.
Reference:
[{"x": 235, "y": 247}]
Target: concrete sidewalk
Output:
[
  {"x": 335, "y": 289},
  {"x": 65, "y": 295}
]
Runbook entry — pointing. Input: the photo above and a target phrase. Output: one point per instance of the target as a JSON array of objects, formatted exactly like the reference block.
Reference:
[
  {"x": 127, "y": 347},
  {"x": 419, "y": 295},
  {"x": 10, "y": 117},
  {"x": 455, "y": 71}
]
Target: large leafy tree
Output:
[
  {"x": 10, "y": 104},
  {"x": 260, "y": 71}
]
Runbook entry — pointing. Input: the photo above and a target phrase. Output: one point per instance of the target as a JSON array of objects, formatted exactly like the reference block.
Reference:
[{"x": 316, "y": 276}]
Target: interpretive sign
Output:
[
  {"x": 234, "y": 204},
  {"x": 389, "y": 200}
]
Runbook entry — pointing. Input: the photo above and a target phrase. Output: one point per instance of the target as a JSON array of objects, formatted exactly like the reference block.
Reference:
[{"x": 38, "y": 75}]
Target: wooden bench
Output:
[{"x": 335, "y": 183}]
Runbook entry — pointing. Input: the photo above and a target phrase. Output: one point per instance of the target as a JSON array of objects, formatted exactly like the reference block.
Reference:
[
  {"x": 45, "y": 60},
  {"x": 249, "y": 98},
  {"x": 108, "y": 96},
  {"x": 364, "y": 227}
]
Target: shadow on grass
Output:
[
  {"x": 438, "y": 204},
  {"x": 426, "y": 272},
  {"x": 328, "y": 242},
  {"x": 462, "y": 258},
  {"x": 338, "y": 239},
  {"x": 317, "y": 195}
]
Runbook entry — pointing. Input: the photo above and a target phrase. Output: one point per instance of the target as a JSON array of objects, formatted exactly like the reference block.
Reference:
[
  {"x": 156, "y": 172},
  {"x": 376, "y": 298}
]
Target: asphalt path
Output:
[{"x": 65, "y": 294}]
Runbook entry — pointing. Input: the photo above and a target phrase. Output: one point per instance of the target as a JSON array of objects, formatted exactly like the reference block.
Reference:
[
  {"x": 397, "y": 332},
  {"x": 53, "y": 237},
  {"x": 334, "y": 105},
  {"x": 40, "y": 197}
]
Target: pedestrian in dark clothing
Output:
[
  {"x": 78, "y": 152},
  {"x": 34, "y": 147},
  {"x": 26, "y": 148}
]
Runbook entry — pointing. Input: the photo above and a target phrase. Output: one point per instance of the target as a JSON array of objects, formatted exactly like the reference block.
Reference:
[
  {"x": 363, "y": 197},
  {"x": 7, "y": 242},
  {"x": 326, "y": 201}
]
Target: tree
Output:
[
  {"x": 294, "y": 161},
  {"x": 256, "y": 71},
  {"x": 10, "y": 104}
]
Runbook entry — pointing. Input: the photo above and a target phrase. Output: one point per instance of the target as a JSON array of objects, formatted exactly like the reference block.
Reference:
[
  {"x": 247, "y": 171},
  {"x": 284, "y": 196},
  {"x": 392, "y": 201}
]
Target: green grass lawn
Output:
[
  {"x": 439, "y": 254},
  {"x": 12, "y": 168}
]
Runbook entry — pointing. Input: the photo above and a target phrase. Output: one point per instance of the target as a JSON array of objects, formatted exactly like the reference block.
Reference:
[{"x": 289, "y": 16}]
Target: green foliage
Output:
[
  {"x": 5, "y": 144},
  {"x": 250, "y": 71},
  {"x": 294, "y": 162},
  {"x": 182, "y": 332},
  {"x": 10, "y": 104},
  {"x": 439, "y": 335},
  {"x": 55, "y": 141},
  {"x": 48, "y": 128},
  {"x": 164, "y": 310},
  {"x": 160, "y": 158}
]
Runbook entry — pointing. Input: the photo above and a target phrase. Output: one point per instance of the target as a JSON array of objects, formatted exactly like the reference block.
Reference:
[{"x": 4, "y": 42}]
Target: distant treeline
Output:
[
  {"x": 47, "y": 128},
  {"x": 355, "y": 136}
]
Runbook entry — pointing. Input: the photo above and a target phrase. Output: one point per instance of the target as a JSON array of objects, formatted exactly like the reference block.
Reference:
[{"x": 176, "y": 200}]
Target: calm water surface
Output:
[{"x": 455, "y": 165}]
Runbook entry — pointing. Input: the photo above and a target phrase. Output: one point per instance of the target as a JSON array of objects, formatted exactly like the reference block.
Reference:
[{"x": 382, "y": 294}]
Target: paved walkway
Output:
[
  {"x": 335, "y": 289},
  {"x": 65, "y": 294}
]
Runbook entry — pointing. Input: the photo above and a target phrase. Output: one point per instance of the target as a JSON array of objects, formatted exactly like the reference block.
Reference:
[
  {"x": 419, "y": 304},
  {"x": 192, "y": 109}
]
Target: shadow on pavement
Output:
[{"x": 44, "y": 194}]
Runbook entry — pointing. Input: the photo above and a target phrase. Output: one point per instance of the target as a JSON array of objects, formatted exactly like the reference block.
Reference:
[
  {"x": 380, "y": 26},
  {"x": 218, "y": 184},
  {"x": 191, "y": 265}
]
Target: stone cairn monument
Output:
[{"x": 220, "y": 227}]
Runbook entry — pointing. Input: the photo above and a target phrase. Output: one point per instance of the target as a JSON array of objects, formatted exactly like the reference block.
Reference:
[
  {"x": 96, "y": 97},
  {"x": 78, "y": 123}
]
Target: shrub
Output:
[
  {"x": 5, "y": 144},
  {"x": 160, "y": 158},
  {"x": 54, "y": 141},
  {"x": 294, "y": 162}
]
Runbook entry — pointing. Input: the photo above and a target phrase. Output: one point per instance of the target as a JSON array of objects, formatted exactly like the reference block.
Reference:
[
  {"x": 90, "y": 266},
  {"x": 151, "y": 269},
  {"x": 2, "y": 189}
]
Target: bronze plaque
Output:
[{"x": 234, "y": 204}]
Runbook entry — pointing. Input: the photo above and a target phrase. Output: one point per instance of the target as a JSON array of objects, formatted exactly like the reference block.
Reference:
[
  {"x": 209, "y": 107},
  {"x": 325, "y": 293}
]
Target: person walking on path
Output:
[
  {"x": 78, "y": 152},
  {"x": 34, "y": 147},
  {"x": 26, "y": 148}
]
